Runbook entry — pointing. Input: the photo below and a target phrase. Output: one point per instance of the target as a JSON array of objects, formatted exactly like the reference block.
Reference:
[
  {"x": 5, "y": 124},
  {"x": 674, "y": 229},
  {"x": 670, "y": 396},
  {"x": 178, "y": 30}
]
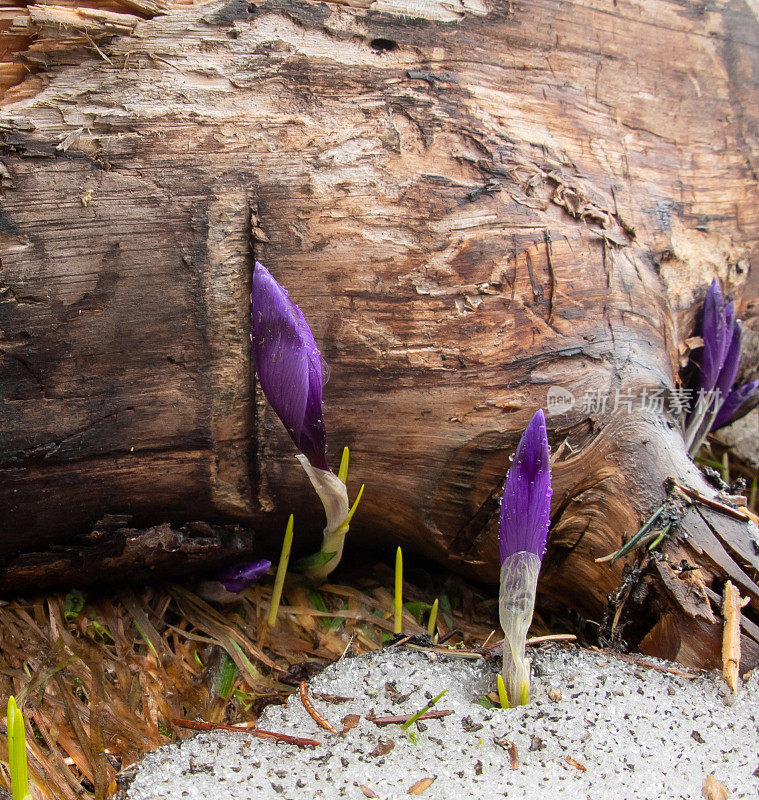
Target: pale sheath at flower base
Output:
[
  {"x": 289, "y": 368},
  {"x": 522, "y": 536}
]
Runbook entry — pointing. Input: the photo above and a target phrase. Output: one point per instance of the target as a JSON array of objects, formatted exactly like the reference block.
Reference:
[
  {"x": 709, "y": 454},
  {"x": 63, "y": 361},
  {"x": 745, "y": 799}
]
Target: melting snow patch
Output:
[{"x": 598, "y": 728}]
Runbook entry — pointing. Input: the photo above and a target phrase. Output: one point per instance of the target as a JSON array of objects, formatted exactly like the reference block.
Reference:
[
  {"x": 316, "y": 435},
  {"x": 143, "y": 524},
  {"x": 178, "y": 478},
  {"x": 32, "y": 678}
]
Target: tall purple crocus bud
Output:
[
  {"x": 289, "y": 365},
  {"x": 289, "y": 368},
  {"x": 716, "y": 331},
  {"x": 522, "y": 535}
]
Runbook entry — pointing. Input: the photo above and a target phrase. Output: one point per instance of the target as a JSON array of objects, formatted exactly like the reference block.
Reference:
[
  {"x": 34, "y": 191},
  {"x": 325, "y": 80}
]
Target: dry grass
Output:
[{"x": 99, "y": 684}]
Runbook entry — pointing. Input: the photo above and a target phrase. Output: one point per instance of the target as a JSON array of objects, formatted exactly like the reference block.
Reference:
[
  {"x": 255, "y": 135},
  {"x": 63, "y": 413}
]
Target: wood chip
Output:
[
  {"x": 513, "y": 754},
  {"x": 384, "y": 746},
  {"x": 576, "y": 764},
  {"x": 713, "y": 789},
  {"x": 732, "y": 603},
  {"x": 336, "y": 699},
  {"x": 367, "y": 792},
  {"x": 421, "y": 786},
  {"x": 350, "y": 721},
  {"x": 508, "y": 745}
]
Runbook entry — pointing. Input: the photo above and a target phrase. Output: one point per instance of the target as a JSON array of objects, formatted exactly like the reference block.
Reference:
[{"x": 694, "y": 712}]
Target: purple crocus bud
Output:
[
  {"x": 289, "y": 365},
  {"x": 526, "y": 505},
  {"x": 522, "y": 535},
  {"x": 240, "y": 576},
  {"x": 715, "y": 333},
  {"x": 733, "y": 402}
]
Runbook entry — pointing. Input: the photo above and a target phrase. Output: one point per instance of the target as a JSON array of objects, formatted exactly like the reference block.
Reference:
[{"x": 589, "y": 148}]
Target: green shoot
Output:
[
  {"x": 353, "y": 508},
  {"x": 342, "y": 473},
  {"x": 73, "y": 605},
  {"x": 398, "y": 626},
  {"x": 414, "y": 717},
  {"x": 657, "y": 541},
  {"x": 433, "y": 619},
  {"x": 279, "y": 580},
  {"x": 752, "y": 496},
  {"x": 226, "y": 679},
  {"x": 17, "y": 751},
  {"x": 502, "y": 695}
]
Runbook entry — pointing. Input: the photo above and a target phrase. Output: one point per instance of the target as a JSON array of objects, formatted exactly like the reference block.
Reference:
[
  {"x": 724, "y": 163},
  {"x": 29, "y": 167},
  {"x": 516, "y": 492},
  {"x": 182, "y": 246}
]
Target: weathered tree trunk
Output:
[{"x": 472, "y": 202}]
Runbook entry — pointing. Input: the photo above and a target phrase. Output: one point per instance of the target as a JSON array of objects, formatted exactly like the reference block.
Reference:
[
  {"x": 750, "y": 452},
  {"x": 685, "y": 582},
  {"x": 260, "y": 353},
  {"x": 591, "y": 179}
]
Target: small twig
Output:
[
  {"x": 735, "y": 513},
  {"x": 315, "y": 715},
  {"x": 350, "y": 641},
  {"x": 646, "y": 665},
  {"x": 197, "y": 725},
  {"x": 450, "y": 635},
  {"x": 443, "y": 651},
  {"x": 732, "y": 603},
  {"x": 556, "y": 637},
  {"x": 406, "y": 717}
]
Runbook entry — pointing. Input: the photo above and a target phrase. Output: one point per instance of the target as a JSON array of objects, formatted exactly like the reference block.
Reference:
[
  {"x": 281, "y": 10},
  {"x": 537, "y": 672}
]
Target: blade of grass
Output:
[
  {"x": 279, "y": 581},
  {"x": 226, "y": 678},
  {"x": 414, "y": 717},
  {"x": 397, "y": 628}
]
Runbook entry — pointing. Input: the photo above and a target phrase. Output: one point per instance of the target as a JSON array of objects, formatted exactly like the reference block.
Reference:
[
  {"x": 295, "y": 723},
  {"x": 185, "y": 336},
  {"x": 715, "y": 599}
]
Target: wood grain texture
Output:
[{"x": 471, "y": 203}]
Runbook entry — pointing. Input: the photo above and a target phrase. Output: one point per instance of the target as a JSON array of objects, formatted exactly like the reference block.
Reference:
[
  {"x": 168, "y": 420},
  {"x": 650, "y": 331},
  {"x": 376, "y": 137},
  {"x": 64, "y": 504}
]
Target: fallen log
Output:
[{"x": 482, "y": 209}]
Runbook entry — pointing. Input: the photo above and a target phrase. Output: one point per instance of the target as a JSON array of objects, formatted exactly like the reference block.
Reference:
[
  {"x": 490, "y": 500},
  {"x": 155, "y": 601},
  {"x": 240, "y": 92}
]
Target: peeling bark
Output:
[{"x": 471, "y": 202}]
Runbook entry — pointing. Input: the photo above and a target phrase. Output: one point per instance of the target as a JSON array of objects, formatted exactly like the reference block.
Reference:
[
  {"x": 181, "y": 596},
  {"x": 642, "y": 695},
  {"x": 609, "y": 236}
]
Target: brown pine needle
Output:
[
  {"x": 399, "y": 720},
  {"x": 315, "y": 715},
  {"x": 197, "y": 725}
]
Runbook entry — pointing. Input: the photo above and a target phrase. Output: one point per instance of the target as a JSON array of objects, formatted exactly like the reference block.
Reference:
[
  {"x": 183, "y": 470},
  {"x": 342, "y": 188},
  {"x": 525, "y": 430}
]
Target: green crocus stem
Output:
[
  {"x": 17, "y": 762},
  {"x": 516, "y": 602},
  {"x": 334, "y": 496}
]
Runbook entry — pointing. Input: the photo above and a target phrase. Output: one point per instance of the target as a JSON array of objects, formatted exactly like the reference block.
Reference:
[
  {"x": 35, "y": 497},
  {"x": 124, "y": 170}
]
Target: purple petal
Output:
[
  {"x": 715, "y": 335},
  {"x": 733, "y": 402},
  {"x": 526, "y": 504},
  {"x": 288, "y": 364},
  {"x": 240, "y": 576},
  {"x": 732, "y": 361}
]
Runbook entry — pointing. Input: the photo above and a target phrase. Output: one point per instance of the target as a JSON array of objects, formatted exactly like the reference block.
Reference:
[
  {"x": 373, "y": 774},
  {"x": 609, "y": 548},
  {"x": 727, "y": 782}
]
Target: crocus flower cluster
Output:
[
  {"x": 289, "y": 368},
  {"x": 522, "y": 536},
  {"x": 718, "y": 367}
]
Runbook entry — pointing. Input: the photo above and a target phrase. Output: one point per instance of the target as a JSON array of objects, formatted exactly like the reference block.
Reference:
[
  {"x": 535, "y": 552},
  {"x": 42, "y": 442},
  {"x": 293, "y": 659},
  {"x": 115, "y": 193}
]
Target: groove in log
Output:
[{"x": 472, "y": 203}]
